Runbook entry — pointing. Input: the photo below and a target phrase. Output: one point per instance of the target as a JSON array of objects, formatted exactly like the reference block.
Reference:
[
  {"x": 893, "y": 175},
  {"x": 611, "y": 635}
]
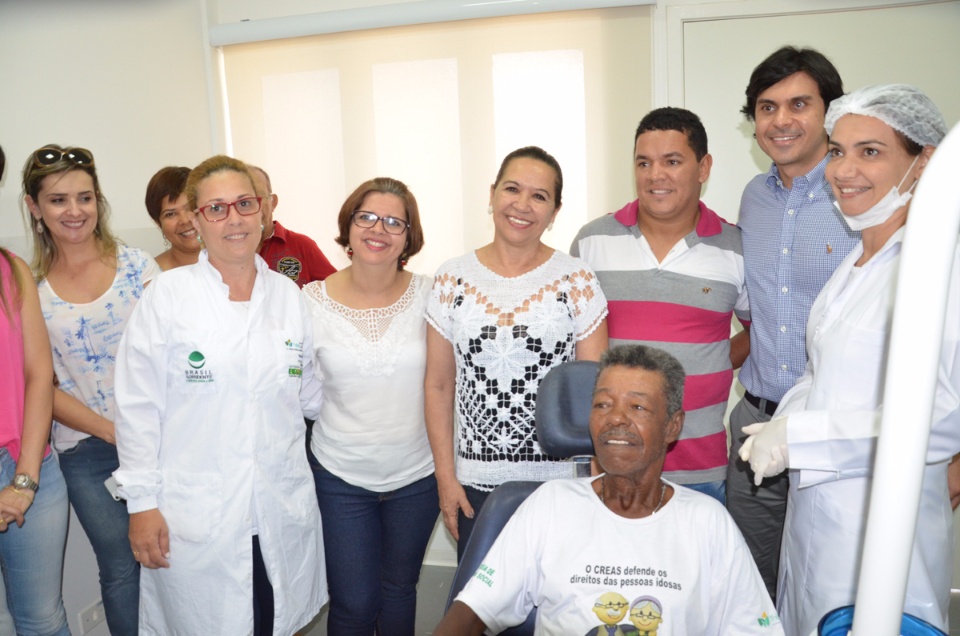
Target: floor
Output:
[{"x": 431, "y": 599}]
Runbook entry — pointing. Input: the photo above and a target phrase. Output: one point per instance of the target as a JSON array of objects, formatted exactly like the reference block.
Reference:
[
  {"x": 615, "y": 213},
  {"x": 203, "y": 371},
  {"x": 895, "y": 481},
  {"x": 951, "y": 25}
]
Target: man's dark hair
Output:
[
  {"x": 649, "y": 359},
  {"x": 679, "y": 119},
  {"x": 783, "y": 63},
  {"x": 3, "y": 162}
]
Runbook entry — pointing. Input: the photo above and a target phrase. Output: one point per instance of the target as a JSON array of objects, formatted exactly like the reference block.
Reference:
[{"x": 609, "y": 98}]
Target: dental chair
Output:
[{"x": 562, "y": 419}]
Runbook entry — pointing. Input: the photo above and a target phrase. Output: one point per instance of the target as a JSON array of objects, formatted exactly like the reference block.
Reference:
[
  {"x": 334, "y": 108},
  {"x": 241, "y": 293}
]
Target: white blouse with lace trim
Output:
[
  {"x": 507, "y": 333},
  {"x": 370, "y": 431}
]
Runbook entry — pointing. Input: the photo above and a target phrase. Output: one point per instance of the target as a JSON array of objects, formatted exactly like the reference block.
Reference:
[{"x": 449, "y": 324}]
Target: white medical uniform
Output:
[
  {"x": 211, "y": 431},
  {"x": 834, "y": 417}
]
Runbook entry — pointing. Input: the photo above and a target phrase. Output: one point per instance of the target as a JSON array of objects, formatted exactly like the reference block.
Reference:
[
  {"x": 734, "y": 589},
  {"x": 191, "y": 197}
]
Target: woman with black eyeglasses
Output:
[
  {"x": 89, "y": 284},
  {"x": 212, "y": 387},
  {"x": 370, "y": 455}
]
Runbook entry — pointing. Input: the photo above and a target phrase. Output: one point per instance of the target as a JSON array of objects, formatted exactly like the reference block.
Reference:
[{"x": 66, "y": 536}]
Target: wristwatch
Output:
[{"x": 23, "y": 480}]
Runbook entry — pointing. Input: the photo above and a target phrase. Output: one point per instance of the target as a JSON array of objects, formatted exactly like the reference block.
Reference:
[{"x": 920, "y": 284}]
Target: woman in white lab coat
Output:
[
  {"x": 210, "y": 383},
  {"x": 881, "y": 138}
]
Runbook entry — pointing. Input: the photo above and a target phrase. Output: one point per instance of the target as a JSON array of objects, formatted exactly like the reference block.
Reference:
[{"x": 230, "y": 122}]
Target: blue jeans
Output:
[
  {"x": 716, "y": 489},
  {"x": 374, "y": 544},
  {"x": 85, "y": 467},
  {"x": 32, "y": 556}
]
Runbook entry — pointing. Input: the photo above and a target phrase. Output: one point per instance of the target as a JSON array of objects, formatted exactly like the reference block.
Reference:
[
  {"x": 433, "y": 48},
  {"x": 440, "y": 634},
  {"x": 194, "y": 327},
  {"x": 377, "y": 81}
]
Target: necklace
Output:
[{"x": 603, "y": 493}]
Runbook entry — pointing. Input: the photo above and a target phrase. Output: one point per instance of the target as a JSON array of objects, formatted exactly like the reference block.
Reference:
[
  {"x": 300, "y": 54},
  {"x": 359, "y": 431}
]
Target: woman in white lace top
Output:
[
  {"x": 500, "y": 318},
  {"x": 371, "y": 458}
]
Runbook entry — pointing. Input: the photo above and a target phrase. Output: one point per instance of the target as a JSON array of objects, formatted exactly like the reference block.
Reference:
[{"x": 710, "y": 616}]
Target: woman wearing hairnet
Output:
[{"x": 825, "y": 430}]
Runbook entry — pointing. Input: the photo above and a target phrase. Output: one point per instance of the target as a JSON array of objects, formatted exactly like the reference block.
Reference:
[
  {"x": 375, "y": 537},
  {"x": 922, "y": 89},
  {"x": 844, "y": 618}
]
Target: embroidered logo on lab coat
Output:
[
  {"x": 295, "y": 370},
  {"x": 196, "y": 373}
]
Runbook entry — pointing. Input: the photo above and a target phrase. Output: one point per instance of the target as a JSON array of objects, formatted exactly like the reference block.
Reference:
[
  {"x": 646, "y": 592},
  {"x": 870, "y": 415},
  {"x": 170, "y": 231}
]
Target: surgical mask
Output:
[{"x": 883, "y": 209}]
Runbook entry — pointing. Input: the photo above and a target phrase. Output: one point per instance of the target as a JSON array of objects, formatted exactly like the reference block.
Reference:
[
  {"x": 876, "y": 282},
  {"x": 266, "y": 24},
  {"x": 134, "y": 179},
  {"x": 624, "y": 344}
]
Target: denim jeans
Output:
[
  {"x": 374, "y": 544},
  {"x": 716, "y": 489},
  {"x": 32, "y": 556},
  {"x": 85, "y": 467}
]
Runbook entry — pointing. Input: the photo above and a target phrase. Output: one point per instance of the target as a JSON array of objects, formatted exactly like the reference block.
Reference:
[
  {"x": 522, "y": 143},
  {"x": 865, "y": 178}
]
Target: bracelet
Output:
[{"x": 17, "y": 491}]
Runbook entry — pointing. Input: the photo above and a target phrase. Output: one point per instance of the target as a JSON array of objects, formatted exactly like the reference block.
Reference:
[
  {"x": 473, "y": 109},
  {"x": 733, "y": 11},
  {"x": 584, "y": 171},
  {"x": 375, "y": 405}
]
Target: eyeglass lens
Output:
[
  {"x": 391, "y": 225},
  {"x": 219, "y": 210}
]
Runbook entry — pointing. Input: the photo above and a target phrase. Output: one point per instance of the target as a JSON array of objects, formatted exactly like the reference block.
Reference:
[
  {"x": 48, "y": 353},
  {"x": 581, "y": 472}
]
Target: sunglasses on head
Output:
[{"x": 50, "y": 156}]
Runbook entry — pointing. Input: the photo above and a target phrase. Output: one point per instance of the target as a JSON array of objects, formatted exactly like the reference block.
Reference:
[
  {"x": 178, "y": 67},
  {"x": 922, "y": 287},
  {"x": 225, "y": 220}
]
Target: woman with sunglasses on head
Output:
[
  {"x": 33, "y": 520},
  {"x": 370, "y": 454},
  {"x": 167, "y": 206},
  {"x": 212, "y": 388},
  {"x": 88, "y": 285},
  {"x": 500, "y": 318}
]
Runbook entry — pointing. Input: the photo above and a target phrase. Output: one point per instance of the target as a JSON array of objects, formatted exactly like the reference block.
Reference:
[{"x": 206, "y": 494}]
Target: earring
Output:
[
  {"x": 262, "y": 228},
  {"x": 200, "y": 240},
  {"x": 490, "y": 209},
  {"x": 39, "y": 226},
  {"x": 550, "y": 226},
  {"x": 404, "y": 258},
  {"x": 166, "y": 243},
  {"x": 349, "y": 252}
]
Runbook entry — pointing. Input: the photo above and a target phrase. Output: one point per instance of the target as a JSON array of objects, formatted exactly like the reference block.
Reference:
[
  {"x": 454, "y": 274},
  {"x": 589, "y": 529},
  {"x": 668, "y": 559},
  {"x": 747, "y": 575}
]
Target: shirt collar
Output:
[
  {"x": 203, "y": 261},
  {"x": 279, "y": 232},
  {"x": 811, "y": 183},
  {"x": 709, "y": 223}
]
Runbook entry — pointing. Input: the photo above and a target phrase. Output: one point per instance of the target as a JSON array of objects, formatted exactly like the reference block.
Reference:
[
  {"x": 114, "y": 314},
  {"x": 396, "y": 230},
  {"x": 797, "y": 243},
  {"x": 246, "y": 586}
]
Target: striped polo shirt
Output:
[{"x": 684, "y": 306}]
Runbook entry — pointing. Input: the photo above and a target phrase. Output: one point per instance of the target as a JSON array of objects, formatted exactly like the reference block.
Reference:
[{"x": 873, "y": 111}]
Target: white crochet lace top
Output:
[
  {"x": 506, "y": 334},
  {"x": 370, "y": 431}
]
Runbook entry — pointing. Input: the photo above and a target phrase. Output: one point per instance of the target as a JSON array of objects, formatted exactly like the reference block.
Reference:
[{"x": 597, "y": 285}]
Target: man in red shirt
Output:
[{"x": 292, "y": 254}]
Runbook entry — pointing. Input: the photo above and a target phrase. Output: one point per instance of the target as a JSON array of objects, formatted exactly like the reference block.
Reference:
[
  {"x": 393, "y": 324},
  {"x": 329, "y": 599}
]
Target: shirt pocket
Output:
[
  {"x": 194, "y": 367},
  {"x": 191, "y": 504},
  {"x": 282, "y": 356},
  {"x": 859, "y": 380}
]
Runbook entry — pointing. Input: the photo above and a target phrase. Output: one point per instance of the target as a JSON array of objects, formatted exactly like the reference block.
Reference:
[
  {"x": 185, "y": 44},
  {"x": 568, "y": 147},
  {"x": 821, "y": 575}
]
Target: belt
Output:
[{"x": 765, "y": 406}]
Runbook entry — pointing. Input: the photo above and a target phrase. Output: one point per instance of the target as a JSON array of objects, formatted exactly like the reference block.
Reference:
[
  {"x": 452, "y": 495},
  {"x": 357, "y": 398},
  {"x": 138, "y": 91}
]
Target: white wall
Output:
[{"x": 124, "y": 79}]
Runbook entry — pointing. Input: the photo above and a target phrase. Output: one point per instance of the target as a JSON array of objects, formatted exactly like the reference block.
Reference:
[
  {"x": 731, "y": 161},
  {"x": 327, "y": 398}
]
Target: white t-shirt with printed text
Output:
[{"x": 685, "y": 569}]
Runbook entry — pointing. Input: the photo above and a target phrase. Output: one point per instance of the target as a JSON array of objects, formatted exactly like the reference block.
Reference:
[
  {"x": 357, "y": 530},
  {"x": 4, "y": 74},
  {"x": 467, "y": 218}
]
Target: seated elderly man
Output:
[{"x": 626, "y": 552}]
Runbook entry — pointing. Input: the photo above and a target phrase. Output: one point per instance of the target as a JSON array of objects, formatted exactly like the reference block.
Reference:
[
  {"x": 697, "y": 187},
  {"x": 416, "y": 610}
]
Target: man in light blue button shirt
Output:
[{"x": 793, "y": 239}]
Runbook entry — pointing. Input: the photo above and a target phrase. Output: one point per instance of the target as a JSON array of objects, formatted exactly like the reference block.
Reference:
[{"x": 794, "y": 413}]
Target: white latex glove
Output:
[{"x": 766, "y": 448}]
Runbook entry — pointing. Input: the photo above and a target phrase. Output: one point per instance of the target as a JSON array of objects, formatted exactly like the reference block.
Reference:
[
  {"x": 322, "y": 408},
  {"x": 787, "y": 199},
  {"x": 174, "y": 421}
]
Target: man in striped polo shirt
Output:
[
  {"x": 672, "y": 272},
  {"x": 793, "y": 239}
]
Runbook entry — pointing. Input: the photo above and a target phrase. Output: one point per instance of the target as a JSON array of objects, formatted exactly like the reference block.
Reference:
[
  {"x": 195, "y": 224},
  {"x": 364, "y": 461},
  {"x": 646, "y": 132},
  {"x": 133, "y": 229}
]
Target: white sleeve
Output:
[
  {"x": 141, "y": 389},
  {"x": 502, "y": 591},
  {"x": 311, "y": 382}
]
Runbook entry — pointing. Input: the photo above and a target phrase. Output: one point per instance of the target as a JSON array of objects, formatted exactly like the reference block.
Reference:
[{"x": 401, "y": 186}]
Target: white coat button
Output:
[
  {"x": 783, "y": 328},
  {"x": 784, "y": 290},
  {"x": 790, "y": 212},
  {"x": 786, "y": 251}
]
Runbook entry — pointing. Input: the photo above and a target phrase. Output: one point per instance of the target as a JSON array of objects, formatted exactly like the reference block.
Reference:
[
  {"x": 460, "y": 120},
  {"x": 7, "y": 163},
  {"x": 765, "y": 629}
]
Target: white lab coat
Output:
[
  {"x": 834, "y": 415},
  {"x": 217, "y": 443}
]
